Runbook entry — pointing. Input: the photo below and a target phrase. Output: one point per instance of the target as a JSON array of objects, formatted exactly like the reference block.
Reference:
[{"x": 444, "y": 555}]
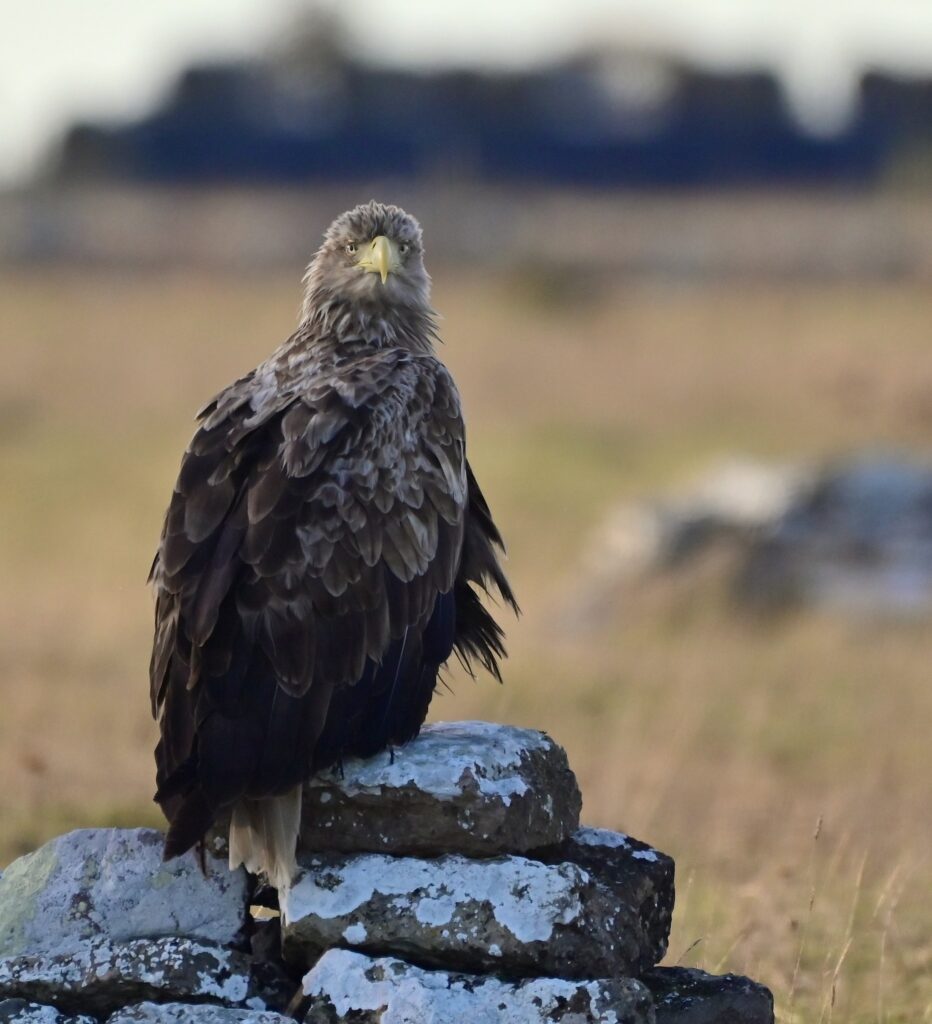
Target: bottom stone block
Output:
[
  {"x": 683, "y": 995},
  {"x": 349, "y": 987}
]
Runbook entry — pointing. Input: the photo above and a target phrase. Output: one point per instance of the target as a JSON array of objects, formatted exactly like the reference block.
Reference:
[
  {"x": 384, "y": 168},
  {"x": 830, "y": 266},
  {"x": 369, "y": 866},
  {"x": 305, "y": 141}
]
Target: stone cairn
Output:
[{"x": 449, "y": 882}]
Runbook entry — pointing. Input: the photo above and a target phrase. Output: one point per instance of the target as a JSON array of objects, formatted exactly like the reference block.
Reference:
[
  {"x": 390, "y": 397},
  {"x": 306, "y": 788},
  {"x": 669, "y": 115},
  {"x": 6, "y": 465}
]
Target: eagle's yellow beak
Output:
[{"x": 379, "y": 257}]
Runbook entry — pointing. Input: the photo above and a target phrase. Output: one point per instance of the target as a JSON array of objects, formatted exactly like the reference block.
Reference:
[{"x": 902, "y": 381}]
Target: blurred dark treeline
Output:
[{"x": 315, "y": 111}]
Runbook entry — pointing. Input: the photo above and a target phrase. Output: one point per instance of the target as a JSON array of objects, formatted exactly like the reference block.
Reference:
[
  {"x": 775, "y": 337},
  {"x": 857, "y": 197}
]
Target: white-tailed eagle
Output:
[{"x": 322, "y": 554}]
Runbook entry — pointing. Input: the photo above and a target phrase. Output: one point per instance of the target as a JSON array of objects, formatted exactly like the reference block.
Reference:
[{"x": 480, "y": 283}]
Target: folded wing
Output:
[{"x": 316, "y": 568}]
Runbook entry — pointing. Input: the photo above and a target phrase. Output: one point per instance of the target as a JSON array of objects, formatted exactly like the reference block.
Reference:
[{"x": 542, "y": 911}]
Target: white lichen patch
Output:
[
  {"x": 605, "y": 839},
  {"x": 525, "y": 897},
  {"x": 601, "y": 837},
  {"x": 390, "y": 991},
  {"x": 227, "y": 987},
  {"x": 437, "y": 911},
  {"x": 355, "y": 934},
  {"x": 445, "y": 759}
]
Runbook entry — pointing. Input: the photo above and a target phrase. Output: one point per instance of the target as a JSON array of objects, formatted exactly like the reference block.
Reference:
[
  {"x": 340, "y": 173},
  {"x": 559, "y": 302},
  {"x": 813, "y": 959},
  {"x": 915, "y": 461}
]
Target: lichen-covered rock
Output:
[
  {"x": 640, "y": 876},
  {"x": 509, "y": 914},
  {"x": 21, "y": 1011},
  {"x": 469, "y": 787},
  {"x": 113, "y": 884},
  {"x": 348, "y": 988},
  {"x": 102, "y": 976},
  {"x": 683, "y": 995},
  {"x": 193, "y": 1013}
]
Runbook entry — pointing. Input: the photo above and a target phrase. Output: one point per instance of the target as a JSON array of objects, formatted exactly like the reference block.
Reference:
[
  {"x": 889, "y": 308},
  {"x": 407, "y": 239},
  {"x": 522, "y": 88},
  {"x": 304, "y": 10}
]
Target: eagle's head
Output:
[{"x": 372, "y": 257}]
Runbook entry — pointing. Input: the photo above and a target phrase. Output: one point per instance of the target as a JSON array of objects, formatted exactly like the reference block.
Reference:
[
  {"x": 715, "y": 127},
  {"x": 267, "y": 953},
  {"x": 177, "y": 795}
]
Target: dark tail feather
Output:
[
  {"x": 479, "y": 638},
  {"x": 481, "y": 540}
]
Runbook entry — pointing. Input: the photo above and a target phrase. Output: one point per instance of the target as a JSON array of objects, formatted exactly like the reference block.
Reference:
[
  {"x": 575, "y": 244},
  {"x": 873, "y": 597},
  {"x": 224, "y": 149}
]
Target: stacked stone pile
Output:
[{"x": 447, "y": 882}]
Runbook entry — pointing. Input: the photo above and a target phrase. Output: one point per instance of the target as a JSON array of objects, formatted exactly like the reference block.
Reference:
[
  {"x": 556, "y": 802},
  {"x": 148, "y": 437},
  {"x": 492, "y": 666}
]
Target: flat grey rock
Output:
[
  {"x": 113, "y": 884},
  {"x": 102, "y": 977},
  {"x": 640, "y": 876},
  {"x": 509, "y": 914},
  {"x": 348, "y": 988},
  {"x": 469, "y": 787},
  {"x": 193, "y": 1013},
  {"x": 683, "y": 995},
  {"x": 21, "y": 1011}
]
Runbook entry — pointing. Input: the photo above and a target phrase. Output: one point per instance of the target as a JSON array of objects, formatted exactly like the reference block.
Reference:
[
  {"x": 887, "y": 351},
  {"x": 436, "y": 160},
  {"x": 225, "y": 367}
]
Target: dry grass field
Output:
[{"x": 787, "y": 765}]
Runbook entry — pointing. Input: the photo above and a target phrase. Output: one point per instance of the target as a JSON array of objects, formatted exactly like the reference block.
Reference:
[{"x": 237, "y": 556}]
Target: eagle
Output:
[{"x": 323, "y": 554}]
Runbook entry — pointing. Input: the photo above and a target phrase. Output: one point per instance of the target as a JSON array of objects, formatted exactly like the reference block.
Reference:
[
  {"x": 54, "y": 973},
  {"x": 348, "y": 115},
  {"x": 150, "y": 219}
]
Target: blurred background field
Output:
[{"x": 612, "y": 339}]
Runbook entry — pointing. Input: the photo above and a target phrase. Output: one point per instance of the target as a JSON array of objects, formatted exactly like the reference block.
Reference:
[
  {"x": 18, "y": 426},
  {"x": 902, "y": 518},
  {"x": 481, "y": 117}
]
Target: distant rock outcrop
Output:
[
  {"x": 448, "y": 881},
  {"x": 854, "y": 536},
  {"x": 858, "y": 539}
]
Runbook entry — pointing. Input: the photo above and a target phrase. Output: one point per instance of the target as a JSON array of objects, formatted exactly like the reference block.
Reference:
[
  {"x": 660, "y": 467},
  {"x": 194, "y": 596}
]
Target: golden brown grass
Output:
[{"x": 720, "y": 738}]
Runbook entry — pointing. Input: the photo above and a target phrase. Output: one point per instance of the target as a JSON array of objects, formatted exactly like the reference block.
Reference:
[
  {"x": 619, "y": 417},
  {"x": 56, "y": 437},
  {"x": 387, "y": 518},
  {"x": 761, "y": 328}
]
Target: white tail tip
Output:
[{"x": 264, "y": 837}]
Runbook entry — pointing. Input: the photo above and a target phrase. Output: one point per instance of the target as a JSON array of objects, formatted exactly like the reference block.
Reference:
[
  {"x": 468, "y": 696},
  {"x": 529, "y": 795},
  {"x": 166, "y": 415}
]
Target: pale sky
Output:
[{"x": 113, "y": 59}]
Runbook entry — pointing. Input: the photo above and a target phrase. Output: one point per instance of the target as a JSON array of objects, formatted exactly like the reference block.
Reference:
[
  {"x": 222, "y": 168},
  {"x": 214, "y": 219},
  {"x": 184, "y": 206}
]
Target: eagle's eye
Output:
[
  {"x": 351, "y": 248},
  {"x": 404, "y": 248}
]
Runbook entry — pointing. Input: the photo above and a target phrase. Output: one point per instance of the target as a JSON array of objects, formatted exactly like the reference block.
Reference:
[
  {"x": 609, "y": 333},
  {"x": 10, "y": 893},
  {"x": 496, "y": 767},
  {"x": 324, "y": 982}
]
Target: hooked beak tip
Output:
[{"x": 381, "y": 258}]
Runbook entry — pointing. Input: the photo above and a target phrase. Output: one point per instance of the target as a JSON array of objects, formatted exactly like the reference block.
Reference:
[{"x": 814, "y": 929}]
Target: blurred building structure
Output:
[
  {"x": 638, "y": 163},
  {"x": 315, "y": 112}
]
